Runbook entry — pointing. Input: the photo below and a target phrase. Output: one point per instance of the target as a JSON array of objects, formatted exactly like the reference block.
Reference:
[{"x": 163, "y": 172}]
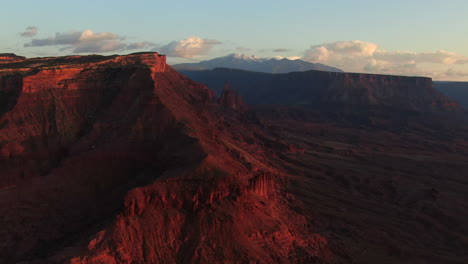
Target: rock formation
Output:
[
  {"x": 232, "y": 100},
  {"x": 10, "y": 57},
  {"x": 120, "y": 159}
]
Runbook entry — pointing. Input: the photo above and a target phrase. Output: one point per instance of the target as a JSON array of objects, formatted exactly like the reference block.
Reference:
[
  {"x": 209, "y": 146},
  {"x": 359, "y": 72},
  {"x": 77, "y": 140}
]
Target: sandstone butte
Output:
[{"x": 120, "y": 160}]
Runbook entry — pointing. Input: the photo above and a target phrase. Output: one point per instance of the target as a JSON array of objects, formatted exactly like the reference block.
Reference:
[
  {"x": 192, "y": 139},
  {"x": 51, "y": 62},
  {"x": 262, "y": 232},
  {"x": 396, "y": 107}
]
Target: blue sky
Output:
[{"x": 397, "y": 37}]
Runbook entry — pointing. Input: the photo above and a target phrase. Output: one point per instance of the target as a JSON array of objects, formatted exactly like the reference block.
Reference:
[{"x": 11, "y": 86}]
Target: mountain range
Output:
[{"x": 252, "y": 63}]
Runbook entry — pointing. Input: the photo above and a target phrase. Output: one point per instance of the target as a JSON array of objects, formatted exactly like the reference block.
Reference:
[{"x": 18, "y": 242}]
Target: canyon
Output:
[{"x": 121, "y": 159}]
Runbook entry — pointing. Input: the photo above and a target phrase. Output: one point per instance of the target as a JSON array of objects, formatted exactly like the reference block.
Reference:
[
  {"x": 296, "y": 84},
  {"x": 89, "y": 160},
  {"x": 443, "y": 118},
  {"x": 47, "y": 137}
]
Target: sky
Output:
[{"x": 423, "y": 38}]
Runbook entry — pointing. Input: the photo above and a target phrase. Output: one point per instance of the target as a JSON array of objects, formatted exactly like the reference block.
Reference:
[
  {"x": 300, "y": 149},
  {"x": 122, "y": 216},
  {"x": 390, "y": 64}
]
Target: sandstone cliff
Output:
[
  {"x": 120, "y": 159},
  {"x": 10, "y": 57}
]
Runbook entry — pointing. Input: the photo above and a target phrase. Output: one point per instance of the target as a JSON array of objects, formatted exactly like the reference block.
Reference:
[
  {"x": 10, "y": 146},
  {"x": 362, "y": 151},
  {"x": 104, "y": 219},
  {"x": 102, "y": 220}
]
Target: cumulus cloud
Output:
[
  {"x": 87, "y": 41},
  {"x": 340, "y": 50},
  {"x": 30, "y": 32},
  {"x": 190, "y": 47},
  {"x": 361, "y": 56}
]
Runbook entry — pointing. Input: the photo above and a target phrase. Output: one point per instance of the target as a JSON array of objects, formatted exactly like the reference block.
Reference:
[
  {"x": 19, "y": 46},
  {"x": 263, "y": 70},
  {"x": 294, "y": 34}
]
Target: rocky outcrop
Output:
[
  {"x": 232, "y": 100},
  {"x": 10, "y": 57},
  {"x": 120, "y": 159}
]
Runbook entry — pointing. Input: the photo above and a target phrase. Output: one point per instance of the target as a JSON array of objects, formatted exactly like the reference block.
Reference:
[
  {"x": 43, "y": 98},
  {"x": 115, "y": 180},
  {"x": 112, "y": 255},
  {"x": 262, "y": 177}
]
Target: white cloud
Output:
[
  {"x": 87, "y": 42},
  {"x": 340, "y": 50},
  {"x": 361, "y": 56},
  {"x": 30, "y": 32},
  {"x": 190, "y": 47},
  {"x": 289, "y": 58}
]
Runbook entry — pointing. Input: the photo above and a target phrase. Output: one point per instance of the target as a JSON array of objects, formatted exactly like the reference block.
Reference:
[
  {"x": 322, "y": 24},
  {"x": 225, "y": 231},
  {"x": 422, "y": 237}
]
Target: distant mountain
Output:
[
  {"x": 253, "y": 63},
  {"x": 457, "y": 91}
]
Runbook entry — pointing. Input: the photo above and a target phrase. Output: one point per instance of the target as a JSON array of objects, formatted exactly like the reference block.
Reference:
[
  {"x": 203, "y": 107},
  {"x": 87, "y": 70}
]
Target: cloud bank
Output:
[
  {"x": 361, "y": 56},
  {"x": 190, "y": 47},
  {"x": 30, "y": 32},
  {"x": 88, "y": 42},
  {"x": 280, "y": 50}
]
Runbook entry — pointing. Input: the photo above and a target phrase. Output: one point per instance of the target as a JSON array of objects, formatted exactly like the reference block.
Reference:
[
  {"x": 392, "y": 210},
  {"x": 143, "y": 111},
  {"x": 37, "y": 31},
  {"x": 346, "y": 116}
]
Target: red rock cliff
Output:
[
  {"x": 10, "y": 57},
  {"x": 120, "y": 159}
]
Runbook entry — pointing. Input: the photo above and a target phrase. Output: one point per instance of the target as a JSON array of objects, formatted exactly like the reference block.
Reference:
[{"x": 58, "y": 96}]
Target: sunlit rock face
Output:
[
  {"x": 120, "y": 159},
  {"x": 10, "y": 57}
]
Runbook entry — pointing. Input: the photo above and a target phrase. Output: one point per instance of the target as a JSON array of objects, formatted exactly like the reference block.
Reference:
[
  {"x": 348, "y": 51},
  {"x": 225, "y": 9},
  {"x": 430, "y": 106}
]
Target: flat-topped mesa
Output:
[
  {"x": 364, "y": 78},
  {"x": 10, "y": 57},
  {"x": 153, "y": 59},
  {"x": 60, "y": 72},
  {"x": 333, "y": 92}
]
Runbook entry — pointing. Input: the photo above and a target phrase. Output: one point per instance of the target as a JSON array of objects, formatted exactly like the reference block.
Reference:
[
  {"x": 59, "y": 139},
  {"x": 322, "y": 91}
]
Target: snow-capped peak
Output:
[{"x": 245, "y": 57}]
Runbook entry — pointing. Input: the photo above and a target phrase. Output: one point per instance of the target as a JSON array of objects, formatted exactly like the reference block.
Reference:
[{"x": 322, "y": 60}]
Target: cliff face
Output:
[
  {"x": 51, "y": 105},
  {"x": 331, "y": 90},
  {"x": 121, "y": 159}
]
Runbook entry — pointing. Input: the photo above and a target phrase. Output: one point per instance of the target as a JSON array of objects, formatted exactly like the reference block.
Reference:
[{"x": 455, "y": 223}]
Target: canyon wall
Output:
[{"x": 120, "y": 159}]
